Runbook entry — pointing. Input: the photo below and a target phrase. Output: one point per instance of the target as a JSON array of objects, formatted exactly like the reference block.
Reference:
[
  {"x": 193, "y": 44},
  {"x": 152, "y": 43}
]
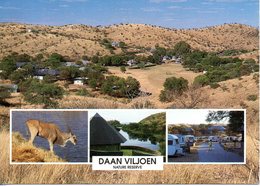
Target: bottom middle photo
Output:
[{"x": 127, "y": 132}]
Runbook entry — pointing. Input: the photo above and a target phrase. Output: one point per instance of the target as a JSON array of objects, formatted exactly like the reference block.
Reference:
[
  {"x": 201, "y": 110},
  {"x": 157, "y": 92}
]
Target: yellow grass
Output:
[
  {"x": 172, "y": 174},
  {"x": 22, "y": 151},
  {"x": 78, "y": 40}
]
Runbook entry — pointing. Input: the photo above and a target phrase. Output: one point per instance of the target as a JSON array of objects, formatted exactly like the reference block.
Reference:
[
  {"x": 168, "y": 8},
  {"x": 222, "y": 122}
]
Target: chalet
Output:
[
  {"x": 79, "y": 80},
  {"x": 178, "y": 60},
  {"x": 103, "y": 136},
  {"x": 71, "y": 64},
  {"x": 174, "y": 58},
  {"x": 131, "y": 62},
  {"x": 40, "y": 73},
  {"x": 11, "y": 87},
  {"x": 165, "y": 58},
  {"x": 20, "y": 64}
]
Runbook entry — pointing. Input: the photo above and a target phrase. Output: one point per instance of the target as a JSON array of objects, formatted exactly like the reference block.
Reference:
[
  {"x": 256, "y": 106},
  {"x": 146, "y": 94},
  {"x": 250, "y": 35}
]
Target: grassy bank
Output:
[{"x": 22, "y": 151}]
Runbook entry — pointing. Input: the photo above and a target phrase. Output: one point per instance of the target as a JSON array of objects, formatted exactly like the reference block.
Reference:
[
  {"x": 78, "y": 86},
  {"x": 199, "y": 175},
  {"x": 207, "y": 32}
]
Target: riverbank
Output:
[{"x": 22, "y": 151}]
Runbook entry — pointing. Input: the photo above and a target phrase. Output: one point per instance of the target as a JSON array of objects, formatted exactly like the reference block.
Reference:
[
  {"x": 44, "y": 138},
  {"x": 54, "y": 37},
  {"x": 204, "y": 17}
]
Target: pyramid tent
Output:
[{"x": 102, "y": 133}]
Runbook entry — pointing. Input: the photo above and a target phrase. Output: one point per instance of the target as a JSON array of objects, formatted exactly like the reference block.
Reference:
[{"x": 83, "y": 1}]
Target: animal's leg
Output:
[
  {"x": 33, "y": 135},
  {"x": 51, "y": 145}
]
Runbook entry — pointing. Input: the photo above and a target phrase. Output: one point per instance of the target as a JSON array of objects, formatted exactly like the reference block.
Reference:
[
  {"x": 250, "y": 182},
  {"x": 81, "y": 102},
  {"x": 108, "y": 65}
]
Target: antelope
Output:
[{"x": 50, "y": 132}]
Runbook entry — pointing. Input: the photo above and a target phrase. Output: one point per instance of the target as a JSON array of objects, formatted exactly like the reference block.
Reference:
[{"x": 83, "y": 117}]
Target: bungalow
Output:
[
  {"x": 165, "y": 58},
  {"x": 79, "y": 80},
  {"x": 71, "y": 64},
  {"x": 174, "y": 58},
  {"x": 20, "y": 64},
  {"x": 178, "y": 60},
  {"x": 131, "y": 62},
  {"x": 40, "y": 73},
  {"x": 103, "y": 136}
]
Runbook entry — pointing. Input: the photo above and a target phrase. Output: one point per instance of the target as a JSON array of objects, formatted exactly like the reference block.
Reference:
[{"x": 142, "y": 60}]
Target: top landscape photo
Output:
[{"x": 131, "y": 54}]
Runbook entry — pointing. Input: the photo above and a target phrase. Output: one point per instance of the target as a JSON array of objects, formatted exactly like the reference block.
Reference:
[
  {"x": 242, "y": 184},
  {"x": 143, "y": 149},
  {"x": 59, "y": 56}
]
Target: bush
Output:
[
  {"x": 173, "y": 87},
  {"x": 177, "y": 85},
  {"x": 42, "y": 93},
  {"x": 214, "y": 85},
  {"x": 182, "y": 48},
  {"x": 83, "y": 92},
  {"x": 201, "y": 80},
  {"x": 252, "y": 97}
]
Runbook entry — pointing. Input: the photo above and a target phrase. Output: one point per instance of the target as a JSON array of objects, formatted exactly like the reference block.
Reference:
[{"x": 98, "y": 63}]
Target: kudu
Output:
[{"x": 51, "y": 132}]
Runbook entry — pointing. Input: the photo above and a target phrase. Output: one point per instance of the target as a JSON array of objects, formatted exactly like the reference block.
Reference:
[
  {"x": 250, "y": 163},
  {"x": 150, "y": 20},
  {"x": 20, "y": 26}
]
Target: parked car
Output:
[{"x": 174, "y": 147}]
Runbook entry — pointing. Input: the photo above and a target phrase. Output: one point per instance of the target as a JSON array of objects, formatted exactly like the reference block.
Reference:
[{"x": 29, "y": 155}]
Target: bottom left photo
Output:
[{"x": 39, "y": 136}]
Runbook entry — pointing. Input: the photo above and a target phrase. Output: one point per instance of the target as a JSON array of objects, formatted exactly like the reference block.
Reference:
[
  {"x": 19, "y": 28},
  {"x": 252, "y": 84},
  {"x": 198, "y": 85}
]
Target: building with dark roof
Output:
[{"x": 103, "y": 136}]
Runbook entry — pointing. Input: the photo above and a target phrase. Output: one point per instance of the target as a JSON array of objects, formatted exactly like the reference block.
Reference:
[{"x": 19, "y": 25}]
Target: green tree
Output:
[
  {"x": 54, "y": 61},
  {"x": 173, "y": 87},
  {"x": 177, "y": 85},
  {"x": 4, "y": 93},
  {"x": 201, "y": 80},
  {"x": 123, "y": 69},
  {"x": 235, "y": 118},
  {"x": 181, "y": 48},
  {"x": 7, "y": 66},
  {"x": 43, "y": 93},
  {"x": 69, "y": 73}
]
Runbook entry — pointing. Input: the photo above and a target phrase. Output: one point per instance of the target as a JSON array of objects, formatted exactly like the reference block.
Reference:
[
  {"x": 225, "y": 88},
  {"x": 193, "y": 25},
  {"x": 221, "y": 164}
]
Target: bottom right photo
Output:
[{"x": 206, "y": 136}]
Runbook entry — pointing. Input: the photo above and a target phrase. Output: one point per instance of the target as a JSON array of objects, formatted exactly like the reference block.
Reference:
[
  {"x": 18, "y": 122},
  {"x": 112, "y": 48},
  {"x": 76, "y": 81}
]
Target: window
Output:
[{"x": 170, "y": 142}]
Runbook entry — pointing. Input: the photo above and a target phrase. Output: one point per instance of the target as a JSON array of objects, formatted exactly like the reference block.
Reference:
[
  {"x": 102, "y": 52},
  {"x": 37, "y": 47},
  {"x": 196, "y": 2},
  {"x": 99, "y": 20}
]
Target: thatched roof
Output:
[{"x": 102, "y": 133}]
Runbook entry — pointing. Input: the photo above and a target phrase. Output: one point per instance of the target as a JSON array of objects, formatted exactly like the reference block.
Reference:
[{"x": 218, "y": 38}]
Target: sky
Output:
[
  {"x": 124, "y": 115},
  {"x": 191, "y": 116},
  {"x": 166, "y": 13}
]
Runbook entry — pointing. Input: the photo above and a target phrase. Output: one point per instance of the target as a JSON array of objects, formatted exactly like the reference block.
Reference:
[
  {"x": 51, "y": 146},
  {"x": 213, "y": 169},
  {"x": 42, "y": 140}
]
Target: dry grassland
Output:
[{"x": 78, "y": 40}]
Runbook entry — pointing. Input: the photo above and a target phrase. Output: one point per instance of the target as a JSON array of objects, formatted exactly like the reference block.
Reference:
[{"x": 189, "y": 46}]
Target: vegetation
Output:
[
  {"x": 217, "y": 69},
  {"x": 252, "y": 97},
  {"x": 120, "y": 87},
  {"x": 182, "y": 48},
  {"x": 173, "y": 87},
  {"x": 36, "y": 92},
  {"x": 235, "y": 118},
  {"x": 4, "y": 94},
  {"x": 152, "y": 128}
]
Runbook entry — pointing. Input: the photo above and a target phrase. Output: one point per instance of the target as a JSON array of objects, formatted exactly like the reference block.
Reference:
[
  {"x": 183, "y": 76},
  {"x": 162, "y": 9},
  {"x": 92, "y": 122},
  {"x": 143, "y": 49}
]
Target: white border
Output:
[
  {"x": 96, "y": 110},
  {"x": 47, "y": 163},
  {"x": 216, "y": 163}
]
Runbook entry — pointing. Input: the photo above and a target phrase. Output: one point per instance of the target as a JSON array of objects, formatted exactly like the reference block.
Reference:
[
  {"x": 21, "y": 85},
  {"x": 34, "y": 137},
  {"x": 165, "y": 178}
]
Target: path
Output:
[{"x": 217, "y": 154}]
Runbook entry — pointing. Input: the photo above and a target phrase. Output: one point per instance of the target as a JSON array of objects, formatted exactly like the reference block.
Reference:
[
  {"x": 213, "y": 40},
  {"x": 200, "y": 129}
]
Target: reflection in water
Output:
[{"x": 141, "y": 142}]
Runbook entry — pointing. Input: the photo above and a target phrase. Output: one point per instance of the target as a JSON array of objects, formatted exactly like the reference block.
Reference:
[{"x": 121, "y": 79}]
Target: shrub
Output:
[
  {"x": 214, "y": 85},
  {"x": 201, "y": 80},
  {"x": 252, "y": 97}
]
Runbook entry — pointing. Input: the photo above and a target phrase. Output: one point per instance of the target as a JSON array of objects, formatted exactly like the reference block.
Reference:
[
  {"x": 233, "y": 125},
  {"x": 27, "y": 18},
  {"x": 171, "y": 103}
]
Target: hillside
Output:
[
  {"x": 78, "y": 40},
  {"x": 159, "y": 119}
]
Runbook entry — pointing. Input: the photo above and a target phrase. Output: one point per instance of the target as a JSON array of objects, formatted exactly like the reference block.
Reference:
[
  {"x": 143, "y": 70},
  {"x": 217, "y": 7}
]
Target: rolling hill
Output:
[{"x": 78, "y": 40}]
